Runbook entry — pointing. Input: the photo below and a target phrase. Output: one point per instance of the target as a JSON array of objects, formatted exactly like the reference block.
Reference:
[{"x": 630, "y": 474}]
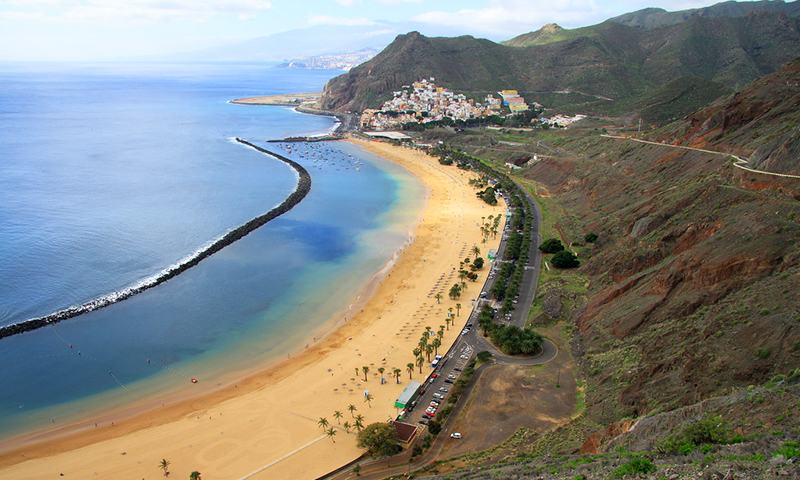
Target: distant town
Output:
[
  {"x": 337, "y": 61},
  {"x": 425, "y": 102}
]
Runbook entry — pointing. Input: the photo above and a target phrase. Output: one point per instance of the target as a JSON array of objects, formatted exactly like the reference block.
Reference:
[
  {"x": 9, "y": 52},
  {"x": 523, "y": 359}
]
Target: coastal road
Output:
[{"x": 530, "y": 281}]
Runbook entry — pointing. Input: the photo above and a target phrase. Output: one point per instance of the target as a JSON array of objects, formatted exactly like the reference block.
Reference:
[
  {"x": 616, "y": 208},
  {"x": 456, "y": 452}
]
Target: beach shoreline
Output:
[{"x": 387, "y": 303}]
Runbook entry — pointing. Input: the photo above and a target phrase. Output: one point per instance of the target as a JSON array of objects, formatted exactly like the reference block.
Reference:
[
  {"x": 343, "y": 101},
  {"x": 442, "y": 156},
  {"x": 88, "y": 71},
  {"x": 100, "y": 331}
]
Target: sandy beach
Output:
[
  {"x": 266, "y": 426},
  {"x": 287, "y": 99}
]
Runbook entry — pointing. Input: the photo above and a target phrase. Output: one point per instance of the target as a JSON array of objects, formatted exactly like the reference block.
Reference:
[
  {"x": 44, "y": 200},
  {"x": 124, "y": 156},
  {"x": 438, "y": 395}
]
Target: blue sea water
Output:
[{"x": 110, "y": 173}]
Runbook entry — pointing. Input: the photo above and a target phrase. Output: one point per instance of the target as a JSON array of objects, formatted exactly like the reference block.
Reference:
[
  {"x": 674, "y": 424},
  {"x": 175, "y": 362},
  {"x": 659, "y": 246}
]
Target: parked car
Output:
[
  {"x": 423, "y": 421},
  {"x": 451, "y": 377},
  {"x": 442, "y": 389},
  {"x": 438, "y": 395},
  {"x": 434, "y": 404},
  {"x": 455, "y": 435},
  {"x": 426, "y": 416},
  {"x": 447, "y": 380}
]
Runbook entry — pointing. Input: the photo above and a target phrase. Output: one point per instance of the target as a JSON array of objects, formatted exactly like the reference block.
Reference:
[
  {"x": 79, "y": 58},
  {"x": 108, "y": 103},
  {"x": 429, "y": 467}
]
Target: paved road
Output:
[{"x": 739, "y": 161}]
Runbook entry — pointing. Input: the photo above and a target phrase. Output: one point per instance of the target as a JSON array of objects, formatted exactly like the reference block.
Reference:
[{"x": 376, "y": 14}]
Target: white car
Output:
[
  {"x": 438, "y": 395},
  {"x": 455, "y": 435}
]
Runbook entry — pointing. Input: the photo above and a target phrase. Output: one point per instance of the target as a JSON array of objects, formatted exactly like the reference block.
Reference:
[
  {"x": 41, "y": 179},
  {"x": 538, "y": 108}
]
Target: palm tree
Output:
[
  {"x": 455, "y": 291},
  {"x": 450, "y": 310},
  {"x": 195, "y": 475},
  {"x": 359, "y": 425},
  {"x": 428, "y": 329},
  {"x": 440, "y": 333},
  {"x": 164, "y": 465},
  {"x": 357, "y": 371},
  {"x": 366, "y": 371},
  {"x": 429, "y": 349},
  {"x": 352, "y": 409},
  {"x": 338, "y": 416},
  {"x": 438, "y": 297},
  {"x": 323, "y": 422},
  {"x": 416, "y": 352},
  {"x": 410, "y": 368},
  {"x": 447, "y": 321},
  {"x": 368, "y": 399},
  {"x": 330, "y": 433},
  {"x": 436, "y": 344},
  {"x": 462, "y": 275},
  {"x": 458, "y": 309},
  {"x": 381, "y": 370},
  {"x": 346, "y": 426},
  {"x": 397, "y": 373},
  {"x": 420, "y": 363}
]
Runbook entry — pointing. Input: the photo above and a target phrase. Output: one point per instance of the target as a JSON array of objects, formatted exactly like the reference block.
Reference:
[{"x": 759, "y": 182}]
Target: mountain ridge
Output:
[{"x": 607, "y": 60}]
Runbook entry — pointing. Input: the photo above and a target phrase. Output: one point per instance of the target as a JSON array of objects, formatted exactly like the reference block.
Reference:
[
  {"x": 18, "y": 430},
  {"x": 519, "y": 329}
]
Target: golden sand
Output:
[{"x": 266, "y": 426}]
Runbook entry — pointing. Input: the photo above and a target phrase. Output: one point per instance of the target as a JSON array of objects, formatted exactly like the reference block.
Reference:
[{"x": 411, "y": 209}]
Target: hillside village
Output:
[{"x": 424, "y": 102}]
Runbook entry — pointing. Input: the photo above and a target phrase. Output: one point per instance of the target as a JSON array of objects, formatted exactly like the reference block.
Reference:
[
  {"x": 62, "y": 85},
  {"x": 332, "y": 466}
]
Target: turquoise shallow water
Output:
[{"x": 111, "y": 173}]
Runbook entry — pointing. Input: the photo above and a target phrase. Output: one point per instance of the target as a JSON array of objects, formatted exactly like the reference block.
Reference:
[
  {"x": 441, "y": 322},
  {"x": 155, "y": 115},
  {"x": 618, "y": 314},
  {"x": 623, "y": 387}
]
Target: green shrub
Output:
[
  {"x": 434, "y": 427},
  {"x": 761, "y": 352},
  {"x": 790, "y": 450},
  {"x": 590, "y": 237},
  {"x": 551, "y": 245},
  {"x": 565, "y": 259},
  {"x": 637, "y": 465},
  {"x": 711, "y": 430}
]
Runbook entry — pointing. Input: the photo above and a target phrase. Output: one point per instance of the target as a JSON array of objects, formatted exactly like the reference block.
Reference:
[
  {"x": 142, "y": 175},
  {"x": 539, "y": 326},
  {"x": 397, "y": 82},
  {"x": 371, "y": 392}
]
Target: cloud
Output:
[
  {"x": 339, "y": 21},
  {"x": 515, "y": 16},
  {"x": 131, "y": 11}
]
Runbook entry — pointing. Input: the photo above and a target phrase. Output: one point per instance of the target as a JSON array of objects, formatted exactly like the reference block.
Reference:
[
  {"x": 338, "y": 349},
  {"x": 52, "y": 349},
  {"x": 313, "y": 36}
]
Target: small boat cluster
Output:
[{"x": 322, "y": 155}]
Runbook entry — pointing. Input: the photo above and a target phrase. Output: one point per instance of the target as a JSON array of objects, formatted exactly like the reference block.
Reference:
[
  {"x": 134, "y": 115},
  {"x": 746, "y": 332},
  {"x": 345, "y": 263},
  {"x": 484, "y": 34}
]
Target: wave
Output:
[{"x": 299, "y": 193}]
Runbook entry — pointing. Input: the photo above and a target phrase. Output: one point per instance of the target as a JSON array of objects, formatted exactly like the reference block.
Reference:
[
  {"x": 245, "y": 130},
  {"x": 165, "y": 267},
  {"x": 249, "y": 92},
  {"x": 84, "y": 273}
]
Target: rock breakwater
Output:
[{"x": 299, "y": 193}]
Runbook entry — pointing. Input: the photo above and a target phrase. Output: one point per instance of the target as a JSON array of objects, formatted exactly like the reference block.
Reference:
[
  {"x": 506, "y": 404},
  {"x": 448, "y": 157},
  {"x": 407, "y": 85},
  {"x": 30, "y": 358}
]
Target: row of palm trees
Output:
[
  {"x": 489, "y": 228},
  {"x": 396, "y": 372},
  {"x": 358, "y": 420}
]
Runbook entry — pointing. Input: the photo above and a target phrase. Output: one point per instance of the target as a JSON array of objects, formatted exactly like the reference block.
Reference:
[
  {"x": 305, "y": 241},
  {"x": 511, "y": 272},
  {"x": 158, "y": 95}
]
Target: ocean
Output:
[{"x": 112, "y": 173}]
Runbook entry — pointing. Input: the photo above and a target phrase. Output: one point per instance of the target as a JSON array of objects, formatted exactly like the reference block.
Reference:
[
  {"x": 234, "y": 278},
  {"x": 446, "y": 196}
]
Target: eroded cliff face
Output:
[
  {"x": 692, "y": 278},
  {"x": 760, "y": 121}
]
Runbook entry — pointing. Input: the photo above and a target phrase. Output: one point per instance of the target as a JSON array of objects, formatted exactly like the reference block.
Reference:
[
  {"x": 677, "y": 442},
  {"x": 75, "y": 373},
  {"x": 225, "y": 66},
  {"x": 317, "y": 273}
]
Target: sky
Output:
[{"x": 91, "y": 30}]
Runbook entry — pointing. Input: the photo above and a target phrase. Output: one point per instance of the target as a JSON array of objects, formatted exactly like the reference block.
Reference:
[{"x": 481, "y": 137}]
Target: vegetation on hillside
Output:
[
  {"x": 608, "y": 68},
  {"x": 690, "y": 320}
]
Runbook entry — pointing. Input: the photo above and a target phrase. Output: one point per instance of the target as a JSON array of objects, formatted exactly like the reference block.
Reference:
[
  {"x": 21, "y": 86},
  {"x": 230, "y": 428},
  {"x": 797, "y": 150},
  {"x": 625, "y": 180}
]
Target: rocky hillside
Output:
[
  {"x": 760, "y": 121},
  {"x": 691, "y": 310},
  {"x": 609, "y": 61}
]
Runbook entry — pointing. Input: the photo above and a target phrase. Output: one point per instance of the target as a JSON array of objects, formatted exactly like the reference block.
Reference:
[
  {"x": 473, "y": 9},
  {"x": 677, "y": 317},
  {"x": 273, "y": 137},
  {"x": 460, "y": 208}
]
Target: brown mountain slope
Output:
[
  {"x": 691, "y": 287},
  {"x": 760, "y": 121}
]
